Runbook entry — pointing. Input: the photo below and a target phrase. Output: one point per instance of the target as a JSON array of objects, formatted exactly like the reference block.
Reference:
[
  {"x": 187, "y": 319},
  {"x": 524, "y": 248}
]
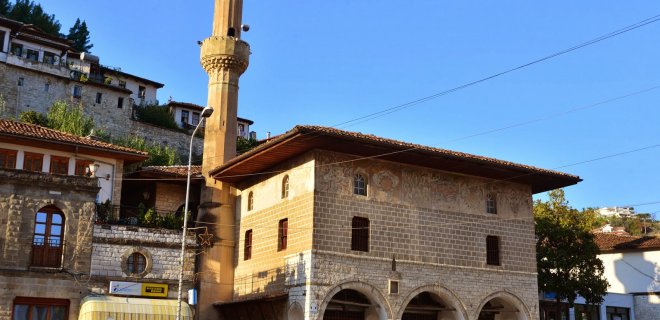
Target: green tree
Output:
[
  {"x": 159, "y": 155},
  {"x": 34, "y": 117},
  {"x": 79, "y": 36},
  {"x": 27, "y": 11},
  {"x": 244, "y": 145},
  {"x": 156, "y": 115},
  {"x": 5, "y": 6},
  {"x": 71, "y": 119},
  {"x": 566, "y": 253}
]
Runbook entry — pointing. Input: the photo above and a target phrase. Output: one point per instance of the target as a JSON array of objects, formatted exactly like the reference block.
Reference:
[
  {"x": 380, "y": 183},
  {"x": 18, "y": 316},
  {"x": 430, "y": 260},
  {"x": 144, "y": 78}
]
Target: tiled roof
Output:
[
  {"x": 373, "y": 138},
  {"x": 302, "y": 138},
  {"x": 181, "y": 171},
  {"x": 613, "y": 242},
  {"x": 34, "y": 132}
]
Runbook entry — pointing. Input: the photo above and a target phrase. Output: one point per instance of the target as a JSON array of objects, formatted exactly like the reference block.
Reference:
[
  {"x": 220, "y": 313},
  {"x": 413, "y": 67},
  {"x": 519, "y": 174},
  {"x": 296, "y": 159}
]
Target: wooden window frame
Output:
[
  {"x": 134, "y": 262},
  {"x": 247, "y": 247},
  {"x": 360, "y": 234},
  {"x": 282, "y": 234},
  {"x": 42, "y": 302},
  {"x": 493, "y": 251},
  {"x": 185, "y": 120},
  {"x": 55, "y": 161},
  {"x": 142, "y": 92},
  {"x": 250, "y": 201},
  {"x": 82, "y": 167},
  {"x": 360, "y": 185},
  {"x": 9, "y": 158},
  {"x": 491, "y": 203},
  {"x": 32, "y": 157},
  {"x": 285, "y": 187},
  {"x": 120, "y": 103},
  {"x": 44, "y": 254}
]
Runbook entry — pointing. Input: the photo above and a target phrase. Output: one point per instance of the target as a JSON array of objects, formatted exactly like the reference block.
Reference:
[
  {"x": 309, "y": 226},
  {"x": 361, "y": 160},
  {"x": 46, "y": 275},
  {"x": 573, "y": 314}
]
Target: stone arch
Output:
[
  {"x": 371, "y": 292},
  {"x": 510, "y": 303},
  {"x": 295, "y": 312},
  {"x": 443, "y": 293}
]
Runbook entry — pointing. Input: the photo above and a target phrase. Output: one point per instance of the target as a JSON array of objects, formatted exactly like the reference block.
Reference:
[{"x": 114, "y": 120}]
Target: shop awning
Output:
[{"x": 121, "y": 308}]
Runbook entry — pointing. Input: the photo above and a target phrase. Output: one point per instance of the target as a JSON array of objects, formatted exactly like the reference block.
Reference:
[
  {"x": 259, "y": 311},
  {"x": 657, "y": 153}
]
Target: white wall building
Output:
[
  {"x": 32, "y": 148},
  {"x": 616, "y": 212},
  {"x": 187, "y": 115},
  {"x": 632, "y": 268}
]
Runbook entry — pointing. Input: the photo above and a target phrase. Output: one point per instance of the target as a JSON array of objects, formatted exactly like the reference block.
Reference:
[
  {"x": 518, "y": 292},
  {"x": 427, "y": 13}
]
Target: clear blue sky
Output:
[{"x": 325, "y": 62}]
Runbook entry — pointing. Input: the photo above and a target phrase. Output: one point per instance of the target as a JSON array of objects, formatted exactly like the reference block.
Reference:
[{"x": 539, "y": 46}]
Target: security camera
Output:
[{"x": 245, "y": 27}]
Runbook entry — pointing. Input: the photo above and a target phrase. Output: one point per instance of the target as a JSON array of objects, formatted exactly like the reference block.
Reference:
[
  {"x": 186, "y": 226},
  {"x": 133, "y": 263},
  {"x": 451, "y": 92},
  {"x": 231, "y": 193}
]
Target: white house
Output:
[
  {"x": 632, "y": 268},
  {"x": 29, "y": 147},
  {"x": 616, "y": 212},
  {"x": 187, "y": 114}
]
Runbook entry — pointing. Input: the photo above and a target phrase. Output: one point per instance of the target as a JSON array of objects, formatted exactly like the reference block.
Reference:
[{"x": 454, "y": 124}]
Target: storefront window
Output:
[
  {"x": 617, "y": 313},
  {"x": 26, "y": 308},
  {"x": 584, "y": 312}
]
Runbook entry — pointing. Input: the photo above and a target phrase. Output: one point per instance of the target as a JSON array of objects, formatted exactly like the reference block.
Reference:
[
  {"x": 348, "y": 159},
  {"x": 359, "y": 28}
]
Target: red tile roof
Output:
[
  {"x": 179, "y": 171},
  {"x": 613, "y": 242},
  {"x": 303, "y": 138},
  {"x": 26, "y": 133}
]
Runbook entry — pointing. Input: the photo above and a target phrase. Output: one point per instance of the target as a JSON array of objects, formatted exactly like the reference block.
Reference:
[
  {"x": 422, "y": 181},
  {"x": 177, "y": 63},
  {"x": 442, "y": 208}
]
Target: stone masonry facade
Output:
[
  {"x": 22, "y": 194},
  {"x": 113, "y": 244},
  {"x": 40, "y": 90},
  {"x": 647, "y": 306},
  {"x": 267, "y": 271},
  {"x": 433, "y": 223}
]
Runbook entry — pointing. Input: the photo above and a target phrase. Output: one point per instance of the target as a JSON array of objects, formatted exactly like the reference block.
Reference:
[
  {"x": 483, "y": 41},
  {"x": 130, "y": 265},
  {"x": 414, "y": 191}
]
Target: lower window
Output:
[{"x": 40, "y": 308}]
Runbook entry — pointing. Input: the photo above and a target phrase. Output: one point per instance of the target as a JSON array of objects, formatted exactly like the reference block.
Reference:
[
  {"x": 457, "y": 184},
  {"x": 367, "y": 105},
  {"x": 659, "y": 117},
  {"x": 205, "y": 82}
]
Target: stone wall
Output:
[
  {"x": 422, "y": 215},
  {"x": 463, "y": 289},
  {"x": 22, "y": 194},
  {"x": 266, "y": 273},
  {"x": 432, "y": 222},
  {"x": 33, "y": 96},
  {"x": 647, "y": 306},
  {"x": 113, "y": 244},
  {"x": 170, "y": 196}
]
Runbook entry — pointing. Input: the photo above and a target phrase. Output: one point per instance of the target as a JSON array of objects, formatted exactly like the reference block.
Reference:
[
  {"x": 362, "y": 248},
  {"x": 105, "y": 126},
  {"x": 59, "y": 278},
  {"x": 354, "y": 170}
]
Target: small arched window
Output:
[
  {"x": 47, "y": 239},
  {"x": 491, "y": 203},
  {"x": 285, "y": 187},
  {"x": 136, "y": 263},
  {"x": 250, "y": 204},
  {"x": 360, "y": 185}
]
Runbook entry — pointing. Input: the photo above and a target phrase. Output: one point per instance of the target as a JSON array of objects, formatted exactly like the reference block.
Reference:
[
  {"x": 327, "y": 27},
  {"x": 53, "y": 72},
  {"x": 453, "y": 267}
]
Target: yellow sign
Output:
[
  {"x": 154, "y": 290},
  {"x": 138, "y": 289}
]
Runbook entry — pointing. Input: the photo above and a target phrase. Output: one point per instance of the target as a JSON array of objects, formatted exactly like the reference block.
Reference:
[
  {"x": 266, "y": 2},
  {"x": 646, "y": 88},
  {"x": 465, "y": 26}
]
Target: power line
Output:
[
  {"x": 406, "y": 105},
  {"x": 511, "y": 126}
]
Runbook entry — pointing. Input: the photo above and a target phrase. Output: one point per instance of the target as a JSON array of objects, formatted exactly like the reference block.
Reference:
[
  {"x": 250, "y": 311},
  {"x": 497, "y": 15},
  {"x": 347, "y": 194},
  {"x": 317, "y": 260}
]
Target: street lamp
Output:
[{"x": 205, "y": 114}]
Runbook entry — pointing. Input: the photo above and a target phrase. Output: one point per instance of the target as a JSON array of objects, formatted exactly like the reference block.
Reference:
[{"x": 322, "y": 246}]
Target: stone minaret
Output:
[{"x": 224, "y": 57}]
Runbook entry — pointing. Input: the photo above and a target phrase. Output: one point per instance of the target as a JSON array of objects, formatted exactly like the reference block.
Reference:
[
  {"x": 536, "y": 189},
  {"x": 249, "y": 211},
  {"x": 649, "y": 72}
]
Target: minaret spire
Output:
[
  {"x": 227, "y": 17},
  {"x": 225, "y": 57}
]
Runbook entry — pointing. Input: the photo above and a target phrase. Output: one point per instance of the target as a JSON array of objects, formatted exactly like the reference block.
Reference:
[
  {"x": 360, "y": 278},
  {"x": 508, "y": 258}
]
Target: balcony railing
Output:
[{"x": 138, "y": 217}]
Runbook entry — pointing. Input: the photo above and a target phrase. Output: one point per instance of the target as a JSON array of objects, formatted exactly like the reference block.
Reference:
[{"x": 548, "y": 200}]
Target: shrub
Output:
[
  {"x": 34, "y": 117},
  {"x": 156, "y": 115},
  {"x": 63, "y": 117},
  {"x": 159, "y": 155}
]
